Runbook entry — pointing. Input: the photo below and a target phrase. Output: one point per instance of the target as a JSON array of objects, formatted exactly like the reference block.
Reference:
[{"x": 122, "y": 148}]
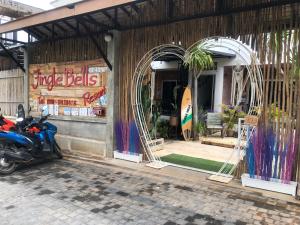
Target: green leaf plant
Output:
[{"x": 199, "y": 58}]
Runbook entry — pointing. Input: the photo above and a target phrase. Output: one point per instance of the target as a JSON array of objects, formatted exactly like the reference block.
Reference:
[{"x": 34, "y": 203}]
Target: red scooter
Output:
[{"x": 6, "y": 125}]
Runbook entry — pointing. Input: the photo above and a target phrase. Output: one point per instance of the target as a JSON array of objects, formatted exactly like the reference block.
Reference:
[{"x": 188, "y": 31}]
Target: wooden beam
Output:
[
  {"x": 60, "y": 27},
  {"x": 12, "y": 56},
  {"x": 53, "y": 31},
  {"x": 135, "y": 8},
  {"x": 62, "y": 13},
  {"x": 219, "y": 6},
  {"x": 170, "y": 8},
  {"x": 94, "y": 40},
  {"x": 125, "y": 11},
  {"x": 70, "y": 25},
  {"x": 38, "y": 31},
  {"x": 33, "y": 34},
  {"x": 12, "y": 40},
  {"x": 80, "y": 35},
  {"x": 151, "y": 3},
  {"x": 112, "y": 19},
  {"x": 77, "y": 27},
  {"x": 50, "y": 30},
  {"x": 116, "y": 16},
  {"x": 92, "y": 20}
]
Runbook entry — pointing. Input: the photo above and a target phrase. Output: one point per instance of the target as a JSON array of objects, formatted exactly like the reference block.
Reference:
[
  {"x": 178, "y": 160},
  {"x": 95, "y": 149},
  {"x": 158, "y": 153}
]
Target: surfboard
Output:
[{"x": 187, "y": 114}]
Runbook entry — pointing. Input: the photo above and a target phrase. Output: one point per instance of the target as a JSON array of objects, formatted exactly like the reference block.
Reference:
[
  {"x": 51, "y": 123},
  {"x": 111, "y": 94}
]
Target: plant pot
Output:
[
  {"x": 132, "y": 157},
  {"x": 200, "y": 138},
  {"x": 229, "y": 133},
  {"x": 173, "y": 121},
  {"x": 275, "y": 185}
]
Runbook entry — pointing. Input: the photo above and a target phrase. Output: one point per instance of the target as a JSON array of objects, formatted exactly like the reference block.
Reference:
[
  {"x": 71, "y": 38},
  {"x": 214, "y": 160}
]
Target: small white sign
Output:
[
  {"x": 67, "y": 111},
  {"x": 75, "y": 111},
  {"x": 97, "y": 69}
]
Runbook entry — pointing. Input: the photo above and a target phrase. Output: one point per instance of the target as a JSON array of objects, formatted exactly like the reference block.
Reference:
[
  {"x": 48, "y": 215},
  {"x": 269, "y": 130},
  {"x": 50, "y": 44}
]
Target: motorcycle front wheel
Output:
[{"x": 7, "y": 167}]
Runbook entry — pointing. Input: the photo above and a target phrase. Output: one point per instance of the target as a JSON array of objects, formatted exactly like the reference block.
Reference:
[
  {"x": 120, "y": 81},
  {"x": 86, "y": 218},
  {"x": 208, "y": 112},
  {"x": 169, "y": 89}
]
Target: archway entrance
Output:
[{"x": 239, "y": 56}]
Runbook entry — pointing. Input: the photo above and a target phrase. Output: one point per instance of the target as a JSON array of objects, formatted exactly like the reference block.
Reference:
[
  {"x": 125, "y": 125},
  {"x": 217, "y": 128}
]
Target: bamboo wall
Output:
[
  {"x": 76, "y": 49},
  {"x": 135, "y": 43},
  {"x": 12, "y": 91},
  {"x": 260, "y": 29}
]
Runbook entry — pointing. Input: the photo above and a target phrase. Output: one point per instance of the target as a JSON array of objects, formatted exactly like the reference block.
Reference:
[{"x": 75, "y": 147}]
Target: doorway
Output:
[
  {"x": 206, "y": 89},
  {"x": 168, "y": 98}
]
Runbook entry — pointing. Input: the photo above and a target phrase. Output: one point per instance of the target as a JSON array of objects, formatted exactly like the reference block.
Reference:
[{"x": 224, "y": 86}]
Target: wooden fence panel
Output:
[{"x": 11, "y": 91}]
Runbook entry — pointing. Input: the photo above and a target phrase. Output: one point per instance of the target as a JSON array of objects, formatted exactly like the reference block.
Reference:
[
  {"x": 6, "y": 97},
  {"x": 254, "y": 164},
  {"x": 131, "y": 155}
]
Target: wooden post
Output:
[
  {"x": 195, "y": 102},
  {"x": 113, "y": 93},
  {"x": 26, "y": 80},
  {"x": 298, "y": 138}
]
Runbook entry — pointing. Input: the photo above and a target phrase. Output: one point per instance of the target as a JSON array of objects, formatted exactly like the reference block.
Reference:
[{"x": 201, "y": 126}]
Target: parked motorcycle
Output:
[
  {"x": 31, "y": 141},
  {"x": 5, "y": 124}
]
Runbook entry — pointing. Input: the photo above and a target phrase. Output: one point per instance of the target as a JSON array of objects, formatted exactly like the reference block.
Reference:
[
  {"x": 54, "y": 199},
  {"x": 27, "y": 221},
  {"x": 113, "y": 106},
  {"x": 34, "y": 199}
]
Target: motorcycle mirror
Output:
[{"x": 21, "y": 111}]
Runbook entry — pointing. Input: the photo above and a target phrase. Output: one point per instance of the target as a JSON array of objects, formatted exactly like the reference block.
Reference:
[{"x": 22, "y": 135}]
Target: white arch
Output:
[
  {"x": 136, "y": 88},
  {"x": 249, "y": 60}
]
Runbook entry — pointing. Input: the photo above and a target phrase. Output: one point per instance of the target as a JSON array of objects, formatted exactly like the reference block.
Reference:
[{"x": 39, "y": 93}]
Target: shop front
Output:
[
  {"x": 91, "y": 65},
  {"x": 75, "y": 95}
]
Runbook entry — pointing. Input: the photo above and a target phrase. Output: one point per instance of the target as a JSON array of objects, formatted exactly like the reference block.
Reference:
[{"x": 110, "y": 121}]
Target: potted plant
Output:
[
  {"x": 155, "y": 119},
  {"x": 200, "y": 127},
  {"x": 231, "y": 115},
  {"x": 163, "y": 129},
  {"x": 174, "y": 116},
  {"x": 200, "y": 130},
  {"x": 197, "y": 59},
  {"x": 146, "y": 101}
]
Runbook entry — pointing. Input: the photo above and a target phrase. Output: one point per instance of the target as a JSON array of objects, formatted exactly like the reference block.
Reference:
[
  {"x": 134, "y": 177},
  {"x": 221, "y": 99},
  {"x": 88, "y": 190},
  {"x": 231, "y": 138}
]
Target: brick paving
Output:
[{"x": 63, "y": 192}]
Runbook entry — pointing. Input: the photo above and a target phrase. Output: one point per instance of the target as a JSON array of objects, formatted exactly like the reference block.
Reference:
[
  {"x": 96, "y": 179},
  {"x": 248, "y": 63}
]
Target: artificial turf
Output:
[{"x": 193, "y": 162}]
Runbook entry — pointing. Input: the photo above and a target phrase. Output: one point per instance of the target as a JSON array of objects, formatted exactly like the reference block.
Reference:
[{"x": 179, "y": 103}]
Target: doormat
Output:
[{"x": 198, "y": 163}]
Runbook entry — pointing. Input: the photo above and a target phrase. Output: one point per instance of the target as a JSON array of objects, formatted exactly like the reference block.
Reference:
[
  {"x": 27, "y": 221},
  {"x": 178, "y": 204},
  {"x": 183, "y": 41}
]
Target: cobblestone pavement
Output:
[{"x": 63, "y": 192}]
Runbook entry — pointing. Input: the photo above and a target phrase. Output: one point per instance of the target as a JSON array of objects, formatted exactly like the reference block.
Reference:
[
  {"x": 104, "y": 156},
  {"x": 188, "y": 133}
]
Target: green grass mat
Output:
[{"x": 193, "y": 162}]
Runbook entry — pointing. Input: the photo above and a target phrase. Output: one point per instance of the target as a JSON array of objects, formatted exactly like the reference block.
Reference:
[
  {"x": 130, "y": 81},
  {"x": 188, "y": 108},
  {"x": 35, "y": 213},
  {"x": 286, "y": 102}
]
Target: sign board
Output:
[
  {"x": 251, "y": 120},
  {"x": 70, "y": 89}
]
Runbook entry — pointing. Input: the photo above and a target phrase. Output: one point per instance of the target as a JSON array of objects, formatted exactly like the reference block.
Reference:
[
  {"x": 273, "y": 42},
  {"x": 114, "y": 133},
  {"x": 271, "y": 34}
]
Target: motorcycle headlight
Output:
[{"x": 19, "y": 119}]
